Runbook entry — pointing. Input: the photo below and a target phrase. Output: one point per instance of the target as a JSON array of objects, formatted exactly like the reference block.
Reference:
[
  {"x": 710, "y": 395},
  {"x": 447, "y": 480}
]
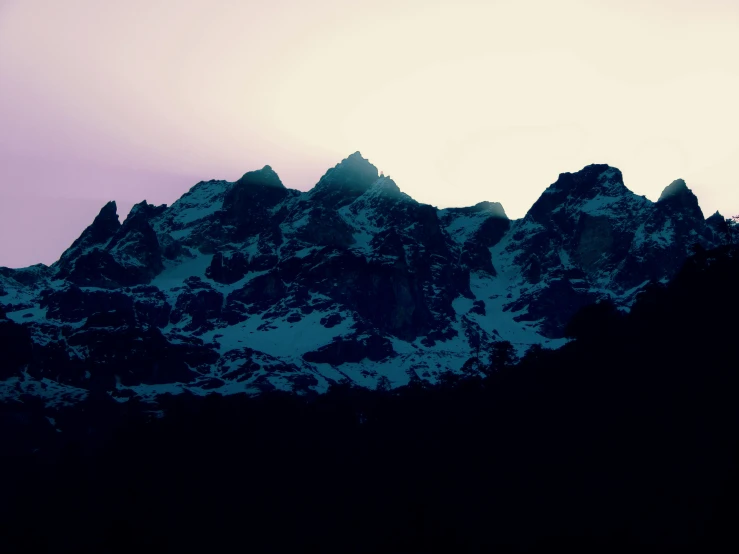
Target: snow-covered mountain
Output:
[{"x": 249, "y": 286}]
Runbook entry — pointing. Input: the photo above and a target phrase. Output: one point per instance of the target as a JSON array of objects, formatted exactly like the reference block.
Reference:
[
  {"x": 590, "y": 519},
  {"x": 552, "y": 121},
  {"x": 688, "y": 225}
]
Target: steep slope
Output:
[
  {"x": 588, "y": 237},
  {"x": 249, "y": 286}
]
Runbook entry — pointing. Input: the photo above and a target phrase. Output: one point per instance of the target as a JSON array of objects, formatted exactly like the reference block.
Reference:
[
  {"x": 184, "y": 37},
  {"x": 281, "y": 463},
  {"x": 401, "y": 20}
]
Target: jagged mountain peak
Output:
[
  {"x": 341, "y": 184},
  {"x": 680, "y": 199},
  {"x": 265, "y": 177},
  {"x": 109, "y": 211},
  {"x": 146, "y": 211},
  {"x": 253, "y": 286},
  {"x": 357, "y": 164},
  {"x": 105, "y": 224},
  {"x": 595, "y": 189},
  {"x": 140, "y": 208},
  {"x": 103, "y": 228},
  {"x": 678, "y": 186},
  {"x": 592, "y": 179},
  {"x": 355, "y": 156},
  {"x": 248, "y": 203},
  {"x": 719, "y": 226}
]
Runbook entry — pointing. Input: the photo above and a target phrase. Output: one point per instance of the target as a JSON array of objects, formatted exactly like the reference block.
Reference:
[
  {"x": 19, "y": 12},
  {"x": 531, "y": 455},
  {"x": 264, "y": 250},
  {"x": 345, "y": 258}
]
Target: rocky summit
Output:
[{"x": 249, "y": 286}]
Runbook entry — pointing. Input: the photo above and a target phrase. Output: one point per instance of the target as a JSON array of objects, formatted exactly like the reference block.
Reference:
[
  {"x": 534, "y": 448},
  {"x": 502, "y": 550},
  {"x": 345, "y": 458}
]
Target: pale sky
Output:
[{"x": 458, "y": 101}]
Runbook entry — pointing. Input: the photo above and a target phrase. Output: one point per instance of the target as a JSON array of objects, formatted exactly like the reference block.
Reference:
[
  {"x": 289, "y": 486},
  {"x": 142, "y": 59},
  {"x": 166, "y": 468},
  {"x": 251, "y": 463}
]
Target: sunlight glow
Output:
[{"x": 458, "y": 101}]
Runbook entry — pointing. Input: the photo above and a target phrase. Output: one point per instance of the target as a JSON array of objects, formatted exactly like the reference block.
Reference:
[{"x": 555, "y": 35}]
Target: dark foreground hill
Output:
[{"x": 625, "y": 437}]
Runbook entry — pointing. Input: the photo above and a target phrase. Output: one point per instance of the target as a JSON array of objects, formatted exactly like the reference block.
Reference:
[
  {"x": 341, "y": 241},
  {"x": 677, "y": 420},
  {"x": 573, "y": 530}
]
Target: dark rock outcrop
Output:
[
  {"x": 110, "y": 255},
  {"x": 201, "y": 304},
  {"x": 228, "y": 268},
  {"x": 352, "y": 350},
  {"x": 16, "y": 347},
  {"x": 247, "y": 205},
  {"x": 136, "y": 246},
  {"x": 101, "y": 230},
  {"x": 344, "y": 183},
  {"x": 590, "y": 230},
  {"x": 72, "y": 304}
]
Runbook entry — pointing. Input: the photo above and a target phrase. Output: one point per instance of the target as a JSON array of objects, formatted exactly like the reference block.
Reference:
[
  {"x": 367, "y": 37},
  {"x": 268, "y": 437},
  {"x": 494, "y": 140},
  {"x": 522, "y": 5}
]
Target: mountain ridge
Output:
[{"x": 248, "y": 286}]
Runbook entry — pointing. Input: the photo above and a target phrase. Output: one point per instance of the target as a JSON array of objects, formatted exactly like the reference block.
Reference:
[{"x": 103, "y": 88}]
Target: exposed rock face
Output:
[
  {"x": 16, "y": 346},
  {"x": 248, "y": 204},
  {"x": 227, "y": 268},
  {"x": 103, "y": 228},
  {"x": 250, "y": 286},
  {"x": 721, "y": 231},
  {"x": 352, "y": 349},
  {"x": 344, "y": 183},
  {"x": 111, "y": 255},
  {"x": 200, "y": 303},
  {"x": 477, "y": 228},
  {"x": 589, "y": 237},
  {"x": 72, "y": 304},
  {"x": 136, "y": 246}
]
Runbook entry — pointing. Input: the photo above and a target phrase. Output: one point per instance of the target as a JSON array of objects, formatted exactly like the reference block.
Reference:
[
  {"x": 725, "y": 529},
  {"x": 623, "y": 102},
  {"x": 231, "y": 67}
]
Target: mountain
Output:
[{"x": 249, "y": 286}]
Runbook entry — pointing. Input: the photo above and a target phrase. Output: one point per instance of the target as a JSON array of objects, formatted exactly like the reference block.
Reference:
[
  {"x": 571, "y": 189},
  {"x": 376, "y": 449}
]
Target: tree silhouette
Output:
[
  {"x": 472, "y": 367},
  {"x": 383, "y": 384},
  {"x": 502, "y": 356}
]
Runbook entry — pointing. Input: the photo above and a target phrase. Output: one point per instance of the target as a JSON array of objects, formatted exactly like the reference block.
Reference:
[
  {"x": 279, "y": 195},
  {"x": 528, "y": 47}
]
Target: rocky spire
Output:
[
  {"x": 99, "y": 232},
  {"x": 678, "y": 198},
  {"x": 136, "y": 244},
  {"x": 719, "y": 227},
  {"x": 247, "y": 204},
  {"x": 265, "y": 177},
  {"x": 345, "y": 182},
  {"x": 675, "y": 188},
  {"x": 103, "y": 227},
  {"x": 145, "y": 210}
]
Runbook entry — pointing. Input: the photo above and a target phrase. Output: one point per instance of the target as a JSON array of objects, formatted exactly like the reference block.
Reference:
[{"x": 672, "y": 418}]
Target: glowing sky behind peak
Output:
[{"x": 458, "y": 101}]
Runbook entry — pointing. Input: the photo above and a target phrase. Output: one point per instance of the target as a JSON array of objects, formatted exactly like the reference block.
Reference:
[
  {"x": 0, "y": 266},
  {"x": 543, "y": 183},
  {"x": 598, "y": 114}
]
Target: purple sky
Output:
[{"x": 458, "y": 101}]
